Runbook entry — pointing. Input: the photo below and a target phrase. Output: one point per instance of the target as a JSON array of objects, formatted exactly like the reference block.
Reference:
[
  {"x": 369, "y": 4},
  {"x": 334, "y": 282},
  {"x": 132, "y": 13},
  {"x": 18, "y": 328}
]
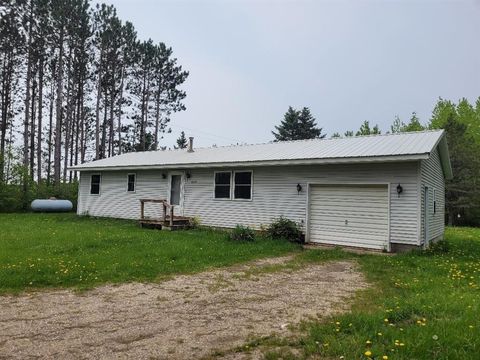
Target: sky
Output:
[{"x": 348, "y": 61}]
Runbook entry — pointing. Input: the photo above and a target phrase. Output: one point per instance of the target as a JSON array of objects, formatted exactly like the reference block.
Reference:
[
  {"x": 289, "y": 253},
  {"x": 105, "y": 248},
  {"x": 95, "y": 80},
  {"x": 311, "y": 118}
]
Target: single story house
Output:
[{"x": 383, "y": 192}]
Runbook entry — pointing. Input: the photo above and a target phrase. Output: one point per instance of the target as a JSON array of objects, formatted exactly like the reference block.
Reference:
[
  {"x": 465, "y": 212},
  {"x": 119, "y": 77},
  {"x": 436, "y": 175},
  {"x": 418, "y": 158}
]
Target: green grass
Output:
[
  {"x": 52, "y": 250},
  {"x": 421, "y": 305}
]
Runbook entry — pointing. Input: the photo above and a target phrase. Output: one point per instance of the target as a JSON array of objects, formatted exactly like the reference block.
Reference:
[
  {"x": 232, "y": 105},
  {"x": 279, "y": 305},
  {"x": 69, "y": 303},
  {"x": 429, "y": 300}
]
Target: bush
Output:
[
  {"x": 283, "y": 228},
  {"x": 242, "y": 233}
]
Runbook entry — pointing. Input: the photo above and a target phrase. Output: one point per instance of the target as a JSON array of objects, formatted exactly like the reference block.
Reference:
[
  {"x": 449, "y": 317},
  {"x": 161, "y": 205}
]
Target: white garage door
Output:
[{"x": 349, "y": 215}]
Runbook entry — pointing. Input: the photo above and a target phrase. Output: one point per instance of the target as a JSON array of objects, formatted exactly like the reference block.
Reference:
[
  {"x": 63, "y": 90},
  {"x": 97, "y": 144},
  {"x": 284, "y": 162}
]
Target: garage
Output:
[{"x": 349, "y": 215}]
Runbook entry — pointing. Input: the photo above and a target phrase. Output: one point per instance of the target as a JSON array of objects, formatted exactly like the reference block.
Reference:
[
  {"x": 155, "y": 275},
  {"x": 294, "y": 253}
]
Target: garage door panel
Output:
[
  {"x": 352, "y": 226},
  {"x": 338, "y": 239},
  {"x": 364, "y": 207},
  {"x": 326, "y": 215}
]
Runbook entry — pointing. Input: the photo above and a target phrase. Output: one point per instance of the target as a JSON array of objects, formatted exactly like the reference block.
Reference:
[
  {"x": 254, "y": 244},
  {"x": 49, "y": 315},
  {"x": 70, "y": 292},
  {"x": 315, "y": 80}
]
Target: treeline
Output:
[{"x": 76, "y": 83}]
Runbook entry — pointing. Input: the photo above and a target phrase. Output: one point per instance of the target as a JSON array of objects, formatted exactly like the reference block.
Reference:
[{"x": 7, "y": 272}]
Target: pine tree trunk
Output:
[
  {"x": 32, "y": 130},
  {"x": 58, "y": 123},
  {"x": 27, "y": 91},
  {"x": 104, "y": 126},
  {"x": 97, "y": 107},
  {"x": 50, "y": 128},
  {"x": 68, "y": 119},
  {"x": 119, "y": 117},
  {"x": 40, "y": 114},
  {"x": 7, "y": 70},
  {"x": 157, "y": 116}
]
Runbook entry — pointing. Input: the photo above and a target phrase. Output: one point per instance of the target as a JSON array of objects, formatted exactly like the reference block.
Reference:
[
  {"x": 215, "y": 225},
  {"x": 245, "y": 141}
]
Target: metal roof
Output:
[{"x": 389, "y": 147}]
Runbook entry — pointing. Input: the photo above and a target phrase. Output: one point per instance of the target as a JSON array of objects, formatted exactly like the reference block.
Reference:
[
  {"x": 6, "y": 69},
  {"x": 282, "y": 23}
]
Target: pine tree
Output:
[
  {"x": 308, "y": 126},
  {"x": 297, "y": 125},
  {"x": 182, "y": 141}
]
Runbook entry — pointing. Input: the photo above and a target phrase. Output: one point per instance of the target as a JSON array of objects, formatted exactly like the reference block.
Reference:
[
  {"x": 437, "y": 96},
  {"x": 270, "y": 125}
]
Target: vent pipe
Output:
[{"x": 190, "y": 144}]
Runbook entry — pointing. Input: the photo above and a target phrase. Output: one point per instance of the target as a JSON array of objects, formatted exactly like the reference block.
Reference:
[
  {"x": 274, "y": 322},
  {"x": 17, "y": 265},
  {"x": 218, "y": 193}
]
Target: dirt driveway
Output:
[{"x": 187, "y": 317}]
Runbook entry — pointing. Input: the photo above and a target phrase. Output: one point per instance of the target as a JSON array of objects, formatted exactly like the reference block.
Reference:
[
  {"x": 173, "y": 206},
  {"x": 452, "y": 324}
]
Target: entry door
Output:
[
  {"x": 349, "y": 215},
  {"x": 175, "y": 196}
]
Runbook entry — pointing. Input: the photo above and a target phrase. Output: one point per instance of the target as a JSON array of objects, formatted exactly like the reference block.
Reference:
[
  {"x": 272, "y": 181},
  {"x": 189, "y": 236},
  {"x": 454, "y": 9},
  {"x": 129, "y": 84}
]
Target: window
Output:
[
  {"x": 434, "y": 201},
  {"x": 95, "y": 184},
  {"x": 222, "y": 185},
  {"x": 131, "y": 182},
  {"x": 243, "y": 185}
]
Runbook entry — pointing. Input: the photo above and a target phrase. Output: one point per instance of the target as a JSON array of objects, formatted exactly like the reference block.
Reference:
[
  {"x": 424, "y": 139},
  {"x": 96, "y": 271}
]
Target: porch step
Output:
[{"x": 179, "y": 223}]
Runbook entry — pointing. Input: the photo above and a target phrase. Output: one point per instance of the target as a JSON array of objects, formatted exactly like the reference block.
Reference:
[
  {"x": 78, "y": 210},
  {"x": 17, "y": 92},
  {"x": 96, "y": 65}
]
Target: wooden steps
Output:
[
  {"x": 178, "y": 223},
  {"x": 169, "y": 221}
]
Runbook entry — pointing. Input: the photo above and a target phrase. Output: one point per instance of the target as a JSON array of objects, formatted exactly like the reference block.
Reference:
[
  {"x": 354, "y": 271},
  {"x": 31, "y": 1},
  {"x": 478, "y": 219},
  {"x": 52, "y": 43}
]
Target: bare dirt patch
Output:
[{"x": 187, "y": 317}]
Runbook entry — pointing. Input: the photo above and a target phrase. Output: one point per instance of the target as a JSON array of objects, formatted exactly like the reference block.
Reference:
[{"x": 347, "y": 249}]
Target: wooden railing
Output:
[{"x": 165, "y": 205}]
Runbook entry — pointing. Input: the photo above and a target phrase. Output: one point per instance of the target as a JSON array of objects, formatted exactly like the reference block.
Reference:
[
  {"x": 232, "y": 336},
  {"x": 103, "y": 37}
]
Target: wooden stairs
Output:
[{"x": 168, "y": 221}]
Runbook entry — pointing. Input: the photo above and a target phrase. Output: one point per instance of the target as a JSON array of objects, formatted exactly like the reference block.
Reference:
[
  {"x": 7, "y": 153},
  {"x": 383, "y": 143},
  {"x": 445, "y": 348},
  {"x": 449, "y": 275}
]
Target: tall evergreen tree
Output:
[{"x": 297, "y": 125}]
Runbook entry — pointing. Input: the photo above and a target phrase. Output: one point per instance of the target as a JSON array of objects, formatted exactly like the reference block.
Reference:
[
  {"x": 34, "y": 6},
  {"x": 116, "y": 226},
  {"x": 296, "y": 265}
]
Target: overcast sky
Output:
[{"x": 348, "y": 61}]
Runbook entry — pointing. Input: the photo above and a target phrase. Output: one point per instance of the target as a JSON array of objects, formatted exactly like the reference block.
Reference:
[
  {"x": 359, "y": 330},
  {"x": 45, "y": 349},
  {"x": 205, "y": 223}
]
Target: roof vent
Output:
[{"x": 190, "y": 144}]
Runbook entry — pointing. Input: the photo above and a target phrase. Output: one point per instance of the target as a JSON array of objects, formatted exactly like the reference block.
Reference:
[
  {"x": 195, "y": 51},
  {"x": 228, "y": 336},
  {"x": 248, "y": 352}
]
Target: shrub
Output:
[
  {"x": 283, "y": 228},
  {"x": 242, "y": 233},
  {"x": 195, "y": 222}
]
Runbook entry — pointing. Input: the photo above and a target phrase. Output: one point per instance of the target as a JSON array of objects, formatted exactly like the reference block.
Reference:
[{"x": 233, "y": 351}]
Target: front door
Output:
[{"x": 176, "y": 192}]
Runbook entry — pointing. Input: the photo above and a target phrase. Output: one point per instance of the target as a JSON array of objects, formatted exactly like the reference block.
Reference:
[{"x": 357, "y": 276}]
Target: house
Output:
[{"x": 383, "y": 192}]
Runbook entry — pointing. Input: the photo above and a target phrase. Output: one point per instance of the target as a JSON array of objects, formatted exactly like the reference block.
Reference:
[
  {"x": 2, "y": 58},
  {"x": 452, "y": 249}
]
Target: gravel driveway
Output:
[{"x": 190, "y": 316}]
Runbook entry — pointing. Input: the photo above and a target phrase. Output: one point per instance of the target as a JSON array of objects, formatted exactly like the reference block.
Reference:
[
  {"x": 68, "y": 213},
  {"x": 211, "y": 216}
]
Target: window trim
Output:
[
  {"x": 134, "y": 183},
  {"x": 215, "y": 185},
  {"x": 251, "y": 185},
  {"x": 99, "y": 184}
]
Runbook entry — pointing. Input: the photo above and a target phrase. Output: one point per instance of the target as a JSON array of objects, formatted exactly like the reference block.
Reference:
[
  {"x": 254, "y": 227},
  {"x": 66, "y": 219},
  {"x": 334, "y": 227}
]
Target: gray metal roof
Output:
[{"x": 389, "y": 147}]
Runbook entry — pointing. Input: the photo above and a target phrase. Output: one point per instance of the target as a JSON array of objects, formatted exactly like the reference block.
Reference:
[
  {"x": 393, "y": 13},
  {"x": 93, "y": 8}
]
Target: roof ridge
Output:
[{"x": 316, "y": 139}]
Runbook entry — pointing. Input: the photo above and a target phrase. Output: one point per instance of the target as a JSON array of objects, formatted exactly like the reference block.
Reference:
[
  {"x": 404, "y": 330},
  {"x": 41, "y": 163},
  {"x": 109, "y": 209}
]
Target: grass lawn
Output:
[
  {"x": 52, "y": 250},
  {"x": 423, "y": 305}
]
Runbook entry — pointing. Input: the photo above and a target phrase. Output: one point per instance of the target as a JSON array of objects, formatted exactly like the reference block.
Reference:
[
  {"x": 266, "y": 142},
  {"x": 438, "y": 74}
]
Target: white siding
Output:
[
  {"x": 274, "y": 194},
  {"x": 115, "y": 201},
  {"x": 432, "y": 177},
  {"x": 349, "y": 215}
]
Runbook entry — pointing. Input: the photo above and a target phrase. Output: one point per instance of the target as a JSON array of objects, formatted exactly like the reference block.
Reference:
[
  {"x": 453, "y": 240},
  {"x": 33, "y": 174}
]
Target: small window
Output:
[
  {"x": 222, "y": 185},
  {"x": 434, "y": 201},
  {"x": 243, "y": 185},
  {"x": 95, "y": 184},
  {"x": 131, "y": 183}
]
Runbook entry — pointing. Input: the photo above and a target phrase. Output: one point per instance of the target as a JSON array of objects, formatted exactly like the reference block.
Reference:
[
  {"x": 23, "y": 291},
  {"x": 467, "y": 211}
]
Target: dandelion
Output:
[
  {"x": 385, "y": 320},
  {"x": 379, "y": 334},
  {"x": 368, "y": 353},
  {"x": 368, "y": 342},
  {"x": 435, "y": 337},
  {"x": 385, "y": 357}
]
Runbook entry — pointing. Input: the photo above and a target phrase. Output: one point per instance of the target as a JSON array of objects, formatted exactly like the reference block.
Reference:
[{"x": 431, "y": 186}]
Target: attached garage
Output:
[{"x": 354, "y": 215}]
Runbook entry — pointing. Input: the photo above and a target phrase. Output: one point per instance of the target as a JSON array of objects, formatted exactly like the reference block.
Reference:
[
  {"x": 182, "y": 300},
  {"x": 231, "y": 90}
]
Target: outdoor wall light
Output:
[
  {"x": 399, "y": 189},
  {"x": 299, "y": 188},
  {"x": 188, "y": 175},
  {"x": 164, "y": 176}
]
